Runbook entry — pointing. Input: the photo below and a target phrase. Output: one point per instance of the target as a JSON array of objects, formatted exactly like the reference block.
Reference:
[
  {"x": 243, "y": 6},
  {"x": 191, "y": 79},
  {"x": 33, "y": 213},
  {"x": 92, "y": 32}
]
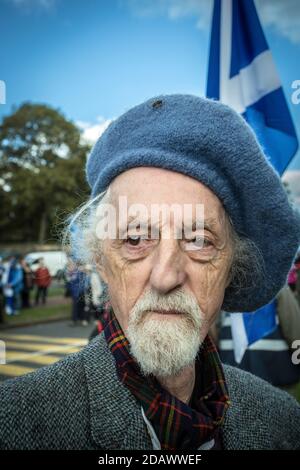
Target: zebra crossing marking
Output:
[{"x": 35, "y": 350}]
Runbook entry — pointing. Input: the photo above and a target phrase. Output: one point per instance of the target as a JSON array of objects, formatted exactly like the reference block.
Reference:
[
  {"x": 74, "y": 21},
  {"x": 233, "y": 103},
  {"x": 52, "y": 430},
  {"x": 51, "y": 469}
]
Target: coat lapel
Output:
[{"x": 115, "y": 416}]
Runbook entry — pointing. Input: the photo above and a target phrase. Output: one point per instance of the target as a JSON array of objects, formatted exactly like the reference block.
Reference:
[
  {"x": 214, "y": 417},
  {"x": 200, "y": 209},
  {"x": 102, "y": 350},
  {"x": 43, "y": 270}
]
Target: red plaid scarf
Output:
[{"x": 178, "y": 426}]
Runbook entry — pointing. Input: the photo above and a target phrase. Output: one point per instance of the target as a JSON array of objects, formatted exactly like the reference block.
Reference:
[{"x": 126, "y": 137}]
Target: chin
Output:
[{"x": 164, "y": 346}]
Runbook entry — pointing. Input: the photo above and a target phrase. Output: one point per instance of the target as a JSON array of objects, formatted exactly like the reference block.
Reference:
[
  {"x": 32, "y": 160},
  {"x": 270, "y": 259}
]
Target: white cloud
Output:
[
  {"x": 282, "y": 15},
  {"x": 173, "y": 9},
  {"x": 92, "y": 131}
]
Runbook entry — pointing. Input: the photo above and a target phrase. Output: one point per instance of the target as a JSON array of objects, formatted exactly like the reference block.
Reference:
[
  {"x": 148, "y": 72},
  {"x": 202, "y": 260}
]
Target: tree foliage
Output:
[{"x": 42, "y": 176}]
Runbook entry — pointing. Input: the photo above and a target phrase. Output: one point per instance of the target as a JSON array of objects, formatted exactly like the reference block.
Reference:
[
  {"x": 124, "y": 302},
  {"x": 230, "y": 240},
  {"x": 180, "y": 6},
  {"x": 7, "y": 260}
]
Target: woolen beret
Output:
[{"x": 210, "y": 142}]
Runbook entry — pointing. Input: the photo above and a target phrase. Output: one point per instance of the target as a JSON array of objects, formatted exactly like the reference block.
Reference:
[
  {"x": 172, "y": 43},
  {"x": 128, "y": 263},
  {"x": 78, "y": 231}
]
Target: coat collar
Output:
[{"x": 115, "y": 416}]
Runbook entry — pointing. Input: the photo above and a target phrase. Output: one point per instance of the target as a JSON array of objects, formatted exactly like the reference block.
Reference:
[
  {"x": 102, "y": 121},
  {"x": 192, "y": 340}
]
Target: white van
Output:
[{"x": 55, "y": 261}]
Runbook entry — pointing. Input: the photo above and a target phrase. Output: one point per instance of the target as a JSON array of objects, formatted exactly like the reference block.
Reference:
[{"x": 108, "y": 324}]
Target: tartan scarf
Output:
[{"x": 178, "y": 426}]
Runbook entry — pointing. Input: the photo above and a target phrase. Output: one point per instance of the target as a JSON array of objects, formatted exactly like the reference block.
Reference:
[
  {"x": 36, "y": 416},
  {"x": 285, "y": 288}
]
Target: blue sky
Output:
[{"x": 93, "y": 59}]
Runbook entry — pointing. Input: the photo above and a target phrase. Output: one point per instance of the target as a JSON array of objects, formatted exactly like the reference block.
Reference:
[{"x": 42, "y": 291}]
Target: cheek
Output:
[
  {"x": 126, "y": 282},
  {"x": 208, "y": 282}
]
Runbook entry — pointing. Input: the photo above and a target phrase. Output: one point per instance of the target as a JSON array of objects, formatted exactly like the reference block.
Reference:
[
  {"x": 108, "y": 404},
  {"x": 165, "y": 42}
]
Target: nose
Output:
[{"x": 168, "y": 271}]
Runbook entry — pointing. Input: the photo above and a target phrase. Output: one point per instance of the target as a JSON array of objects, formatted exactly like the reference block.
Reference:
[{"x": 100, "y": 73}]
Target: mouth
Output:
[{"x": 166, "y": 312}]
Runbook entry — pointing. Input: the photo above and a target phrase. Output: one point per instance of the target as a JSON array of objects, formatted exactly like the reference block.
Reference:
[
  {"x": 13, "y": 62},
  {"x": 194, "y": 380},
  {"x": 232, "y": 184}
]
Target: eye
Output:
[
  {"x": 133, "y": 240},
  {"x": 198, "y": 243}
]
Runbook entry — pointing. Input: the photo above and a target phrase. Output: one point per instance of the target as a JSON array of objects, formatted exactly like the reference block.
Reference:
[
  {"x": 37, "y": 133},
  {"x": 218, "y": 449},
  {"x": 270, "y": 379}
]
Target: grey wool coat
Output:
[{"x": 79, "y": 403}]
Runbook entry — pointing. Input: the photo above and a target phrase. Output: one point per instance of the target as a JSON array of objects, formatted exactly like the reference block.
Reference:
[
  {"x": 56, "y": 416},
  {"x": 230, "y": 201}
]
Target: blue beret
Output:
[{"x": 210, "y": 142}]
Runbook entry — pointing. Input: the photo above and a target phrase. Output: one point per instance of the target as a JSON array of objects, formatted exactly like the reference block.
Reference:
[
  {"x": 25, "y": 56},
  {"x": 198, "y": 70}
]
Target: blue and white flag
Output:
[{"x": 242, "y": 74}]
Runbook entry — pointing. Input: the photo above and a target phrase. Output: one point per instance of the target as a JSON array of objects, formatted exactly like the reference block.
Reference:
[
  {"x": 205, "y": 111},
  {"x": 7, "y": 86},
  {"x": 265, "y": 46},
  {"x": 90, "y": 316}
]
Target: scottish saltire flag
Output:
[{"x": 242, "y": 74}]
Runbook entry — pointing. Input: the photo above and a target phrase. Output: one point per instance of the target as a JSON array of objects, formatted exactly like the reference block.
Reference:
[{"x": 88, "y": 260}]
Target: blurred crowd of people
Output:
[
  {"x": 21, "y": 287},
  {"x": 294, "y": 278},
  {"x": 18, "y": 280},
  {"x": 84, "y": 286}
]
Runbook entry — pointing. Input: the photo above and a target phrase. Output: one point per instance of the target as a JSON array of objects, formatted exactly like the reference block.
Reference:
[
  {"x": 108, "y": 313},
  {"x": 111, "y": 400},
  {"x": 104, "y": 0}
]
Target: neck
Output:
[{"x": 180, "y": 385}]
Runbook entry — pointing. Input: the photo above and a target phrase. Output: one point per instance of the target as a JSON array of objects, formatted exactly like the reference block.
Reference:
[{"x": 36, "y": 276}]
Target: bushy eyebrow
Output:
[{"x": 211, "y": 224}]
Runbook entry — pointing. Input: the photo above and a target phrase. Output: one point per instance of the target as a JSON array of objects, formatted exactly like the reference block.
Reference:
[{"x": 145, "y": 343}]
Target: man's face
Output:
[{"x": 167, "y": 272}]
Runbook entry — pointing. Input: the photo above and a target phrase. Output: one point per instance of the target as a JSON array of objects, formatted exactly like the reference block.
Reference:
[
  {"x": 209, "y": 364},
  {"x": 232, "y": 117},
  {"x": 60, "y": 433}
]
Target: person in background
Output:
[
  {"x": 77, "y": 286},
  {"x": 292, "y": 278},
  {"x": 12, "y": 282},
  {"x": 103, "y": 313},
  {"x": 42, "y": 281},
  {"x": 270, "y": 357},
  {"x": 93, "y": 293},
  {"x": 297, "y": 266},
  {"x": 28, "y": 278},
  {"x": 67, "y": 276},
  {"x": 1, "y": 291}
]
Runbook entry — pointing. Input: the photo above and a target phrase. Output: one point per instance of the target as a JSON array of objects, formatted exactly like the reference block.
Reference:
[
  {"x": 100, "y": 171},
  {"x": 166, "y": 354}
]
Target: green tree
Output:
[{"x": 42, "y": 176}]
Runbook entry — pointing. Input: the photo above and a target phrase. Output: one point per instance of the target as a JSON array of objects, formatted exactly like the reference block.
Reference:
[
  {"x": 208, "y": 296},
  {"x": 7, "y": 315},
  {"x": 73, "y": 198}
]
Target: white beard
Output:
[{"x": 163, "y": 347}]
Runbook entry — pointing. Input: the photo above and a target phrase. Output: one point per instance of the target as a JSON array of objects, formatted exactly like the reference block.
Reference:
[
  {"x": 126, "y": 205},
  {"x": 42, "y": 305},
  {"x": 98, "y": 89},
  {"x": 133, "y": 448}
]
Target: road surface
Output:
[{"x": 28, "y": 348}]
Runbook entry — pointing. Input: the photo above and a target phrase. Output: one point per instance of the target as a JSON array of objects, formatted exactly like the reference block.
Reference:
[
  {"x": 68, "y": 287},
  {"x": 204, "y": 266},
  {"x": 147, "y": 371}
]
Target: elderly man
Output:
[{"x": 153, "y": 378}]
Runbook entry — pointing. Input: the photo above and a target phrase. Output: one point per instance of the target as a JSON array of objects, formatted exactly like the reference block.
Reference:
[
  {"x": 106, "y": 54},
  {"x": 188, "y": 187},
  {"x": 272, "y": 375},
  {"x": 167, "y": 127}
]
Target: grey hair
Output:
[{"x": 79, "y": 236}]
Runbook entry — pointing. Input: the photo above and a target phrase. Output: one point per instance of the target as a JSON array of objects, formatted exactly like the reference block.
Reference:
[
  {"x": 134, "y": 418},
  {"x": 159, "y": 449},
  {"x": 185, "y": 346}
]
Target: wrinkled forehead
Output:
[{"x": 149, "y": 187}]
